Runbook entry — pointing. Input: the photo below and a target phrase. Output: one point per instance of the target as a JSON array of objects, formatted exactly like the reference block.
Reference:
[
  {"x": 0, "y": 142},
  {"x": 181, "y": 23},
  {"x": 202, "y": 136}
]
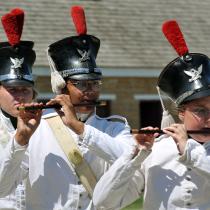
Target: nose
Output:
[
  {"x": 19, "y": 98},
  {"x": 88, "y": 95},
  {"x": 206, "y": 120},
  {"x": 90, "y": 85},
  {"x": 207, "y": 115},
  {"x": 88, "y": 88}
]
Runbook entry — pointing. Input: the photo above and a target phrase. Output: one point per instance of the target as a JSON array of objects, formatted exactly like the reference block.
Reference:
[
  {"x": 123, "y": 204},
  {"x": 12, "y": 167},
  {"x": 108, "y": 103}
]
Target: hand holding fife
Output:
[
  {"x": 179, "y": 134},
  {"x": 28, "y": 121},
  {"x": 67, "y": 113},
  {"x": 145, "y": 141}
]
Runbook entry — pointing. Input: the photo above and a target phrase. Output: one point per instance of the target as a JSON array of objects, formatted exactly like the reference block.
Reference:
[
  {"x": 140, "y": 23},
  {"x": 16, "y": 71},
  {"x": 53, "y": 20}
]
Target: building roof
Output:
[{"x": 129, "y": 30}]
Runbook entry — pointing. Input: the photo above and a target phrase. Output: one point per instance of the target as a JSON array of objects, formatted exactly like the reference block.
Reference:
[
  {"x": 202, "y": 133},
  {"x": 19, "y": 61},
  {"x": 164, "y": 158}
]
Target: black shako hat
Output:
[
  {"x": 16, "y": 57},
  {"x": 188, "y": 76},
  {"x": 74, "y": 57}
]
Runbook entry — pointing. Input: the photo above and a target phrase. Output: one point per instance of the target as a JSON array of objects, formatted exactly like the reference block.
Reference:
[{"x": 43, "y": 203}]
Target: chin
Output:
[
  {"x": 202, "y": 138},
  {"x": 85, "y": 109},
  {"x": 15, "y": 114}
]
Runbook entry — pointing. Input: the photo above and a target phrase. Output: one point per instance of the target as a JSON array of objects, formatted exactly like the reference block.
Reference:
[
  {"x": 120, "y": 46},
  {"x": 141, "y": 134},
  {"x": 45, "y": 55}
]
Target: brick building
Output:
[{"x": 133, "y": 50}]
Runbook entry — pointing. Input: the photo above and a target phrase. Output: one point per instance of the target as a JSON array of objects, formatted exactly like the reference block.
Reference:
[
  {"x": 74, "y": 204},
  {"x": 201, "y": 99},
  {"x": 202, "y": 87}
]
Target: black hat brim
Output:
[
  {"x": 16, "y": 82},
  {"x": 197, "y": 95},
  {"x": 91, "y": 76}
]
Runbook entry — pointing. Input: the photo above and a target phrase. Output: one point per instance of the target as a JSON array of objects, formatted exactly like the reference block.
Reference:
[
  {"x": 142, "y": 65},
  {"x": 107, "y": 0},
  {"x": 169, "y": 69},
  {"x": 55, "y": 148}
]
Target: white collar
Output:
[{"x": 7, "y": 122}]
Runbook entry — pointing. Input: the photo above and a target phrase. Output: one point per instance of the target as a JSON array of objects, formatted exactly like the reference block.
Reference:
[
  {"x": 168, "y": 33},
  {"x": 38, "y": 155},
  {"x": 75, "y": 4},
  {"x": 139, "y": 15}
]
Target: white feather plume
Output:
[
  {"x": 57, "y": 81},
  {"x": 167, "y": 118}
]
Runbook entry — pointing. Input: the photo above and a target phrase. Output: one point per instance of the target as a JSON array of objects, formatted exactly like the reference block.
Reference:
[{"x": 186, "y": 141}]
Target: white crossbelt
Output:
[{"x": 74, "y": 155}]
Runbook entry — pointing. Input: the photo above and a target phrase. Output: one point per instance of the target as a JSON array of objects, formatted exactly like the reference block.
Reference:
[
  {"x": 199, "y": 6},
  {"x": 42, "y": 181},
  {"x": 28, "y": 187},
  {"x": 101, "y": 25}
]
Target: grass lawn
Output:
[{"x": 137, "y": 205}]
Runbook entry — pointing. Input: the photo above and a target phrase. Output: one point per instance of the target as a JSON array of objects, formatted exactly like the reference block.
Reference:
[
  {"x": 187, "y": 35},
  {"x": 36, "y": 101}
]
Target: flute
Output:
[
  {"x": 58, "y": 106},
  {"x": 136, "y": 131}
]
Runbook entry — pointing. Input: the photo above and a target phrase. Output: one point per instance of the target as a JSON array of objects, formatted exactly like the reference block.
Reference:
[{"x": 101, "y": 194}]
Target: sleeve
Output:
[
  {"x": 111, "y": 145},
  {"x": 197, "y": 157},
  {"x": 122, "y": 184},
  {"x": 12, "y": 167}
]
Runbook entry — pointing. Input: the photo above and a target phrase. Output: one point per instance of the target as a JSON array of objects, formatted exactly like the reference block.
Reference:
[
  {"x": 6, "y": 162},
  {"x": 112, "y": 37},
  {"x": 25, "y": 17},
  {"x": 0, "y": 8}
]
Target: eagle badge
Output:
[
  {"x": 194, "y": 74},
  {"x": 16, "y": 63}
]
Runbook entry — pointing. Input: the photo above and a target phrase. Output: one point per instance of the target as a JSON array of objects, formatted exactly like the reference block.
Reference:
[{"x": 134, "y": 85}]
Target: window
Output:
[{"x": 150, "y": 113}]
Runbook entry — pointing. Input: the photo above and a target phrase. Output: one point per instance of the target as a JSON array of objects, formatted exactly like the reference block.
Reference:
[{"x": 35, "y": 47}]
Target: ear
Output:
[
  {"x": 65, "y": 90},
  {"x": 34, "y": 94},
  {"x": 181, "y": 115}
]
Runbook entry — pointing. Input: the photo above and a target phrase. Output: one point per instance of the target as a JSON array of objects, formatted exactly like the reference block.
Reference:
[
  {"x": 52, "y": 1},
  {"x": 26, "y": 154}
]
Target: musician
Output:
[
  {"x": 172, "y": 172},
  {"x": 16, "y": 87},
  {"x": 53, "y": 175}
]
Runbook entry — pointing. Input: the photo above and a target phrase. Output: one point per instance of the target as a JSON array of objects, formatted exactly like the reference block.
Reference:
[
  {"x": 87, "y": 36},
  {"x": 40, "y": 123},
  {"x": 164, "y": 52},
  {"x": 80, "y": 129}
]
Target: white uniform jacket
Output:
[
  {"x": 16, "y": 200},
  {"x": 169, "y": 181},
  {"x": 51, "y": 181}
]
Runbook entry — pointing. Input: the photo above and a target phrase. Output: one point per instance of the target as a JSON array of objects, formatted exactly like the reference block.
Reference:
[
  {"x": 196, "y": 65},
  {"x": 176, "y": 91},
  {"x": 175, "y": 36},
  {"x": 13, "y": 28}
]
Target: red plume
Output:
[
  {"x": 78, "y": 16},
  {"x": 20, "y": 18},
  {"x": 174, "y": 35},
  {"x": 13, "y": 25}
]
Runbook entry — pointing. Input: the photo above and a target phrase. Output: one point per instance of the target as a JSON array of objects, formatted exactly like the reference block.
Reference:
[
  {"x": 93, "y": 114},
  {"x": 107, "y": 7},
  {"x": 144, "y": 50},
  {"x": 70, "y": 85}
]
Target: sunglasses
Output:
[
  {"x": 84, "y": 85},
  {"x": 200, "y": 112}
]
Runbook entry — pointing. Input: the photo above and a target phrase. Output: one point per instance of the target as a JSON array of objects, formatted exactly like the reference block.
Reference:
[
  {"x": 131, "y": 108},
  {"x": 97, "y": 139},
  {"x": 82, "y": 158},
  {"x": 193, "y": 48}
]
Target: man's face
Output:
[
  {"x": 83, "y": 92},
  {"x": 196, "y": 116},
  {"x": 12, "y": 96}
]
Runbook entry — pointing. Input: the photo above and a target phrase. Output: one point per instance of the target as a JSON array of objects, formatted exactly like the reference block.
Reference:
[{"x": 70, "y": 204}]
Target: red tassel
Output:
[
  {"x": 13, "y": 25},
  {"x": 78, "y": 16},
  {"x": 174, "y": 35}
]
